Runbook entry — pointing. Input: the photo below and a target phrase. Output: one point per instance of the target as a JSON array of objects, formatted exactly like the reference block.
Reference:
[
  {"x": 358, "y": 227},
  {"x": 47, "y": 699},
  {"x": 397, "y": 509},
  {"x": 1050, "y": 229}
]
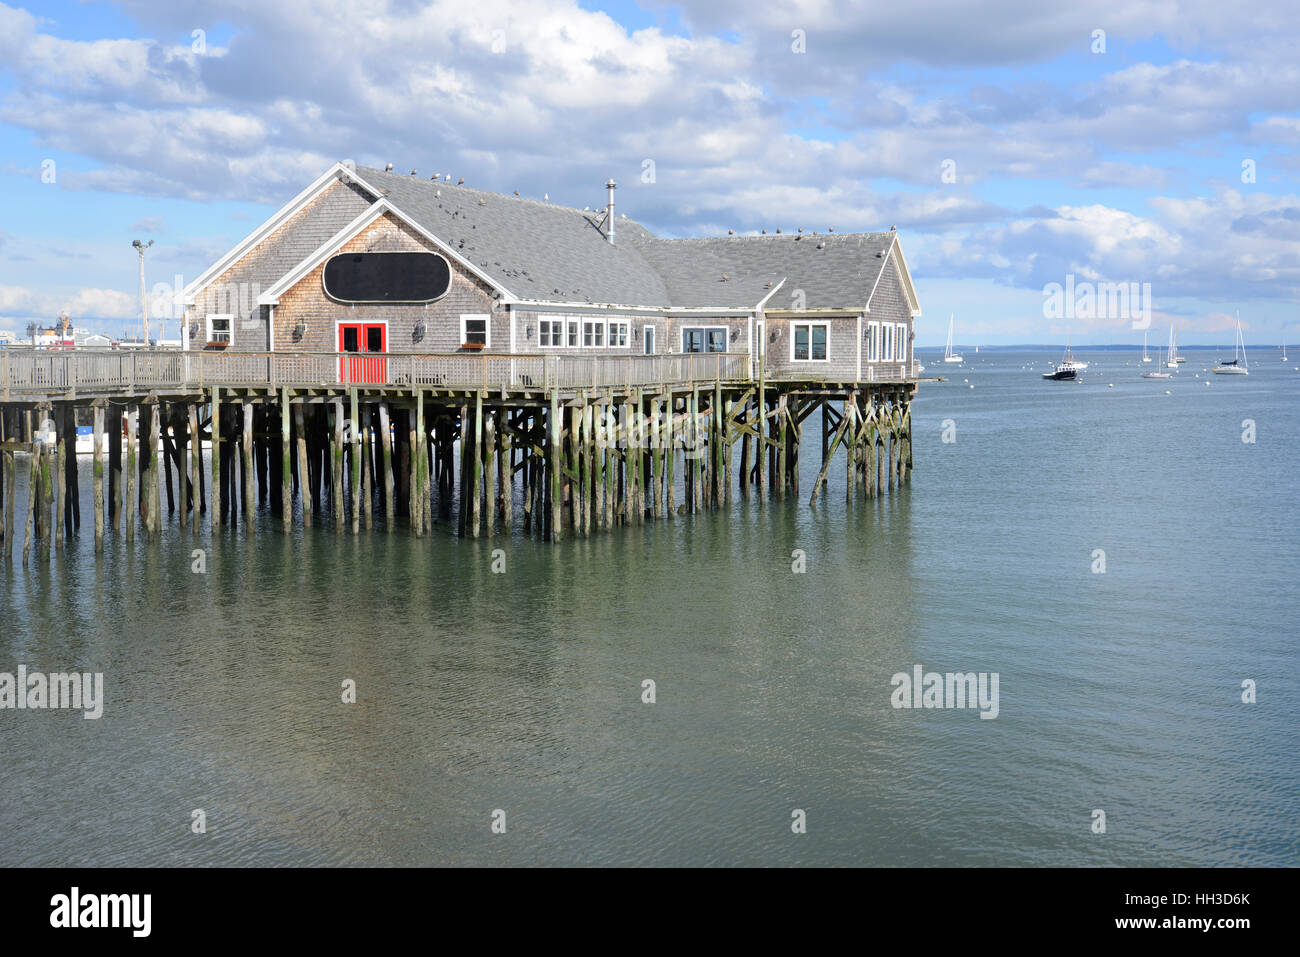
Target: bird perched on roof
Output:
[
  {"x": 765, "y": 231},
  {"x": 413, "y": 172},
  {"x": 434, "y": 176},
  {"x": 778, "y": 230},
  {"x": 830, "y": 229},
  {"x": 388, "y": 168},
  {"x": 893, "y": 229},
  {"x": 516, "y": 192},
  {"x": 725, "y": 277},
  {"x": 546, "y": 197},
  {"x": 800, "y": 229},
  {"x": 731, "y": 232},
  {"x": 447, "y": 178},
  {"x": 461, "y": 181}
]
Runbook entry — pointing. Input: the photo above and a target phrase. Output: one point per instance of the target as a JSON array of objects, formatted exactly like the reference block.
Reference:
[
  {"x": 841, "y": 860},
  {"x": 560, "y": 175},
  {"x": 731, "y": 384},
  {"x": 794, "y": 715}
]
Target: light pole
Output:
[{"x": 144, "y": 308}]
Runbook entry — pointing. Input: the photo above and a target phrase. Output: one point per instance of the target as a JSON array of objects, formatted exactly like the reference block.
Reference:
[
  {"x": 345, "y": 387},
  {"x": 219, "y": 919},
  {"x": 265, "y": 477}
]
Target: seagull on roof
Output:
[
  {"x": 413, "y": 172},
  {"x": 830, "y": 229},
  {"x": 893, "y": 229},
  {"x": 516, "y": 192},
  {"x": 388, "y": 168},
  {"x": 434, "y": 176},
  {"x": 447, "y": 178},
  {"x": 778, "y": 230},
  {"x": 461, "y": 181},
  {"x": 546, "y": 197},
  {"x": 765, "y": 231},
  {"x": 731, "y": 232}
]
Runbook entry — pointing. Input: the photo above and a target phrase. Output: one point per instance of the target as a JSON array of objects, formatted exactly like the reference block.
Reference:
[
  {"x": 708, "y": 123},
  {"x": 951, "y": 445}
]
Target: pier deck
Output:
[{"x": 576, "y": 444}]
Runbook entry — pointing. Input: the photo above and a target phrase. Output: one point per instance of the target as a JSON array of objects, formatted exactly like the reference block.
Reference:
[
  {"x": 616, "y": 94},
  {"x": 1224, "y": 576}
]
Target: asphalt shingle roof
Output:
[{"x": 540, "y": 250}]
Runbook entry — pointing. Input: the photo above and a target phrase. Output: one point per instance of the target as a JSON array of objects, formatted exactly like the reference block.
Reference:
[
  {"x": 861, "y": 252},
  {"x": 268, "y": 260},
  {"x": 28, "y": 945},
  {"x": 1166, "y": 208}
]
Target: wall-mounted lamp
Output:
[
  {"x": 417, "y": 334},
  {"x": 528, "y": 332},
  {"x": 194, "y": 329},
  {"x": 776, "y": 334},
  {"x": 299, "y": 330}
]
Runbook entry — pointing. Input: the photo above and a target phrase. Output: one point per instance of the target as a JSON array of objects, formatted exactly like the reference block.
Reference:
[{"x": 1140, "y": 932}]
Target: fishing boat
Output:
[
  {"x": 1145, "y": 356},
  {"x": 1067, "y": 369},
  {"x": 1237, "y": 364},
  {"x": 1070, "y": 361},
  {"x": 1061, "y": 372},
  {"x": 1156, "y": 373},
  {"x": 948, "y": 354}
]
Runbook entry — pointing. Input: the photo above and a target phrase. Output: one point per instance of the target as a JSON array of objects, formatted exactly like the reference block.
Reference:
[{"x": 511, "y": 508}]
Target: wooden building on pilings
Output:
[{"x": 410, "y": 347}]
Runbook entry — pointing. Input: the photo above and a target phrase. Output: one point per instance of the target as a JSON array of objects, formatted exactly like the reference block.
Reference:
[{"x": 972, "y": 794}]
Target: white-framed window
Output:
[
  {"x": 760, "y": 337},
  {"x": 648, "y": 339},
  {"x": 550, "y": 333},
  {"x": 573, "y": 341},
  {"x": 873, "y": 342},
  {"x": 900, "y": 342},
  {"x": 704, "y": 339},
  {"x": 618, "y": 333},
  {"x": 887, "y": 354},
  {"x": 475, "y": 330},
  {"x": 809, "y": 341},
  {"x": 593, "y": 333},
  {"x": 221, "y": 327}
]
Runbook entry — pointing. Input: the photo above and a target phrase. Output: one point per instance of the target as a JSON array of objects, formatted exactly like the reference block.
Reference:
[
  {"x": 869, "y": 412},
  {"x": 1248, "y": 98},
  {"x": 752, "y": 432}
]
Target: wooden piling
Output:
[
  {"x": 97, "y": 473},
  {"x": 132, "y": 481}
]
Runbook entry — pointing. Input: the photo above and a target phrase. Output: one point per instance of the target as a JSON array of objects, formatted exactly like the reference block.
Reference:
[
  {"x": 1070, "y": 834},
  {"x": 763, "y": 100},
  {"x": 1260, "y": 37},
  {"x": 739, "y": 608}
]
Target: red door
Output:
[{"x": 369, "y": 340}]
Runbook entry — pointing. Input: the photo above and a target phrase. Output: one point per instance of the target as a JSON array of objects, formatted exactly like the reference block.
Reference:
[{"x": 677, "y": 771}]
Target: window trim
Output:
[
  {"x": 900, "y": 342},
  {"x": 649, "y": 339},
  {"x": 487, "y": 327},
  {"x": 551, "y": 322},
  {"x": 873, "y": 342},
  {"x": 794, "y": 324},
  {"x": 230, "y": 327},
  {"x": 609, "y": 339},
  {"x": 726, "y": 339}
]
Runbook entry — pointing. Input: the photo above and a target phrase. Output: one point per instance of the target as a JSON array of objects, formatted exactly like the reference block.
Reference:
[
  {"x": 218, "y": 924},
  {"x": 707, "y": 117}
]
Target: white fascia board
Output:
[
  {"x": 552, "y": 305},
  {"x": 350, "y": 231},
  {"x": 281, "y": 216}
]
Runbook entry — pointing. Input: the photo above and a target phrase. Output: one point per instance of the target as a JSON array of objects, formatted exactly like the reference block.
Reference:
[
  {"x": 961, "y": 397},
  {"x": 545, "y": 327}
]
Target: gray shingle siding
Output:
[{"x": 235, "y": 290}]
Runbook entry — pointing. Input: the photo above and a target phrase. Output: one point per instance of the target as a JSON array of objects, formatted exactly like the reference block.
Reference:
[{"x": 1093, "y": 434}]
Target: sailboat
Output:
[
  {"x": 1145, "y": 357},
  {"x": 1237, "y": 364},
  {"x": 1173, "y": 350},
  {"x": 1284, "y": 348},
  {"x": 948, "y": 354},
  {"x": 1155, "y": 373}
]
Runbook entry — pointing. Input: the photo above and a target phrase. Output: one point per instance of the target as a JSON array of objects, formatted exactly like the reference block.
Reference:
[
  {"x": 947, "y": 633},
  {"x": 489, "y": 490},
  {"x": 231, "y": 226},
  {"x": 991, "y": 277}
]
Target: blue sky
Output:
[{"x": 1122, "y": 165}]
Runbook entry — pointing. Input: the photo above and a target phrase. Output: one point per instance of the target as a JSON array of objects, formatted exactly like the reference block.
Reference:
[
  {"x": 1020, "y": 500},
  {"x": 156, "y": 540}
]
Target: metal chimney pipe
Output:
[{"x": 610, "y": 185}]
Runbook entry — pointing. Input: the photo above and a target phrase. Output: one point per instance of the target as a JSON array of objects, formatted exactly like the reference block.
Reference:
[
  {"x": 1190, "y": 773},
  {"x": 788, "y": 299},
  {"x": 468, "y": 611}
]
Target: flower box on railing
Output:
[
  {"x": 473, "y": 346},
  {"x": 216, "y": 344}
]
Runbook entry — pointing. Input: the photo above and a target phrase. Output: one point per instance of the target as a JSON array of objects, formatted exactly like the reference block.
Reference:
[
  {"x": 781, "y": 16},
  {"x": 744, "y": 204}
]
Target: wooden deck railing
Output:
[
  {"x": 53, "y": 372},
  {"x": 28, "y": 372}
]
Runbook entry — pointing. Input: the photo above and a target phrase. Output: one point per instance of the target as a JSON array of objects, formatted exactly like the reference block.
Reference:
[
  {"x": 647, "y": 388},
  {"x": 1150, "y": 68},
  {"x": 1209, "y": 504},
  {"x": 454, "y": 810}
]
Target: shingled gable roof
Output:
[{"x": 544, "y": 252}]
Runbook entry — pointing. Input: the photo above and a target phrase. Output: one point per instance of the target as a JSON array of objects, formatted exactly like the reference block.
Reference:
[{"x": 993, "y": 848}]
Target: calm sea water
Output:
[{"x": 522, "y": 691}]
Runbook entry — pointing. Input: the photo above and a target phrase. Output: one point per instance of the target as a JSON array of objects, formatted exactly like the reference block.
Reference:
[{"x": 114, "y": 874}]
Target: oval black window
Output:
[{"x": 387, "y": 277}]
